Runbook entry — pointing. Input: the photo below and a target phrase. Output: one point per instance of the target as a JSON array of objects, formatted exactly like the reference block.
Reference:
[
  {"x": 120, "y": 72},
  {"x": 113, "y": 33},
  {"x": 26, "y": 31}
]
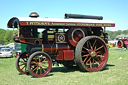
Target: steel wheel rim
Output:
[
  {"x": 22, "y": 63},
  {"x": 94, "y": 54},
  {"x": 40, "y": 65},
  {"x": 119, "y": 44}
]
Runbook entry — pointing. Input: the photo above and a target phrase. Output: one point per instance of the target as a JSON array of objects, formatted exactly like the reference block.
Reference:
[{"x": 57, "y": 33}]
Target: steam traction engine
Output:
[
  {"x": 68, "y": 41},
  {"x": 122, "y": 43}
]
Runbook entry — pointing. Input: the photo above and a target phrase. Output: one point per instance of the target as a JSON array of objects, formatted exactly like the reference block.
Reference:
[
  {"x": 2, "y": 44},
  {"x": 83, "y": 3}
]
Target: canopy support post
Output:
[
  {"x": 104, "y": 29},
  {"x": 18, "y": 29},
  {"x": 13, "y": 29}
]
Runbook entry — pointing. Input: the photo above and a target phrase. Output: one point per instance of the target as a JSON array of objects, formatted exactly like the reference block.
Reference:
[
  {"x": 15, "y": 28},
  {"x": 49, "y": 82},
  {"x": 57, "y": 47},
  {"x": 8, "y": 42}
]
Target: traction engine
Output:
[
  {"x": 122, "y": 43},
  {"x": 71, "y": 42}
]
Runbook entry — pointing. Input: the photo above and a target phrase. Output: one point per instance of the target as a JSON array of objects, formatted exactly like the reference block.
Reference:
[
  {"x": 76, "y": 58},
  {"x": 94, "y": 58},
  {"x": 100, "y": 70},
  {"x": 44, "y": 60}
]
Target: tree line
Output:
[
  {"x": 112, "y": 35},
  {"x": 6, "y": 36}
]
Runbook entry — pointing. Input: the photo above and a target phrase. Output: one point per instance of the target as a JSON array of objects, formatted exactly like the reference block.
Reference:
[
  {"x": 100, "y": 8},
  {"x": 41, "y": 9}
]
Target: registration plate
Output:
[{"x": 6, "y": 55}]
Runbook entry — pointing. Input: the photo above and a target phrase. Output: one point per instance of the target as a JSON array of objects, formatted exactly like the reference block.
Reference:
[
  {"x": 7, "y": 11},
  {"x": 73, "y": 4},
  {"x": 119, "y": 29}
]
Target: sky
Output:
[{"x": 114, "y": 10}]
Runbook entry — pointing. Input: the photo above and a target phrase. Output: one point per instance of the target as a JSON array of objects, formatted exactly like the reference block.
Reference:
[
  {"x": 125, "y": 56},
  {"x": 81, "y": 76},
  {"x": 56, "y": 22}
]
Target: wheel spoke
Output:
[
  {"x": 91, "y": 48},
  {"x": 44, "y": 60},
  {"x": 33, "y": 62},
  {"x": 88, "y": 60},
  {"x": 90, "y": 64},
  {"x": 25, "y": 69},
  {"x": 35, "y": 59},
  {"x": 85, "y": 59},
  {"x": 98, "y": 52},
  {"x": 94, "y": 43},
  {"x": 99, "y": 48},
  {"x": 83, "y": 52},
  {"x": 97, "y": 63},
  {"x": 85, "y": 55},
  {"x": 94, "y": 48},
  {"x": 33, "y": 65},
  {"x": 39, "y": 59},
  {"x": 86, "y": 49},
  {"x": 101, "y": 56},
  {"x": 99, "y": 60},
  {"x": 43, "y": 69},
  {"x": 21, "y": 64},
  {"x": 35, "y": 68},
  {"x": 22, "y": 68},
  {"x": 90, "y": 44},
  {"x": 87, "y": 45},
  {"x": 44, "y": 66},
  {"x": 93, "y": 62},
  {"x": 40, "y": 70},
  {"x": 21, "y": 61}
]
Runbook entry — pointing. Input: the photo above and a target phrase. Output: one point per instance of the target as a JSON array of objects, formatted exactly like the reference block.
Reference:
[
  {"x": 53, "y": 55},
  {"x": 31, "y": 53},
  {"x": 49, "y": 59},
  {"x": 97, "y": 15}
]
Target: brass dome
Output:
[{"x": 34, "y": 15}]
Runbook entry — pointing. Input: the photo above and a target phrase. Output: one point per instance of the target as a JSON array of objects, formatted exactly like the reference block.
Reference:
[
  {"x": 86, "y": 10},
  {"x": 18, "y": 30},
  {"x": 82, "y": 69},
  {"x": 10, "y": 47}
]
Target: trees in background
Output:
[
  {"x": 117, "y": 34},
  {"x": 6, "y": 36}
]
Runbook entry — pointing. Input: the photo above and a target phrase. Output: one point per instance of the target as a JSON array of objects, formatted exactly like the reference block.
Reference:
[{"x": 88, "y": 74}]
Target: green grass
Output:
[{"x": 115, "y": 73}]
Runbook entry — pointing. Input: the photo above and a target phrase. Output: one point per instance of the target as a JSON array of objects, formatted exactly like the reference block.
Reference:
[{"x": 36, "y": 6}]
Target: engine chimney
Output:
[
  {"x": 33, "y": 15},
  {"x": 78, "y": 16}
]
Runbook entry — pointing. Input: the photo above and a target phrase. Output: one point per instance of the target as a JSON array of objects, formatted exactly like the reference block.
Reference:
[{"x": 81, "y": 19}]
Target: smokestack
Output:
[{"x": 78, "y": 16}]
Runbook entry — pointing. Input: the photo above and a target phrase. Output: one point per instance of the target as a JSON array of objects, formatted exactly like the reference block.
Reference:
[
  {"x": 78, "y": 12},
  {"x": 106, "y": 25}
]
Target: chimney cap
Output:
[{"x": 34, "y": 15}]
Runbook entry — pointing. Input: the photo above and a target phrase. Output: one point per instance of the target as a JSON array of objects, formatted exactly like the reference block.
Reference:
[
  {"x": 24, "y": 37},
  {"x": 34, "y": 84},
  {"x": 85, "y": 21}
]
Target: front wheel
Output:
[
  {"x": 21, "y": 63},
  {"x": 91, "y": 53},
  {"x": 39, "y": 64}
]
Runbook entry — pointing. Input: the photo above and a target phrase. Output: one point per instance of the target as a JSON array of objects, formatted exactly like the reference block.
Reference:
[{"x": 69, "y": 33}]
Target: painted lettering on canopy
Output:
[{"x": 67, "y": 24}]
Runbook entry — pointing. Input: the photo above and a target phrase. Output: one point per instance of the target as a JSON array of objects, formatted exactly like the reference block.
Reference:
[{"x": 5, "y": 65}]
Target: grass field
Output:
[{"x": 115, "y": 73}]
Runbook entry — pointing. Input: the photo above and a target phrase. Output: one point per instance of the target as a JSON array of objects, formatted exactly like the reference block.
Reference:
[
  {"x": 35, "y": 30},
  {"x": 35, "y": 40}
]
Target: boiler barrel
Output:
[
  {"x": 53, "y": 49},
  {"x": 78, "y": 16}
]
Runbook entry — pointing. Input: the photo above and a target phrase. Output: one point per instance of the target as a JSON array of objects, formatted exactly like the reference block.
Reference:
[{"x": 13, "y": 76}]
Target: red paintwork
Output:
[
  {"x": 122, "y": 43},
  {"x": 65, "y": 55},
  {"x": 75, "y": 34},
  {"x": 126, "y": 42},
  {"x": 28, "y": 23},
  {"x": 68, "y": 54},
  {"x": 55, "y": 47},
  {"x": 14, "y": 20},
  {"x": 60, "y": 56},
  {"x": 73, "y": 43}
]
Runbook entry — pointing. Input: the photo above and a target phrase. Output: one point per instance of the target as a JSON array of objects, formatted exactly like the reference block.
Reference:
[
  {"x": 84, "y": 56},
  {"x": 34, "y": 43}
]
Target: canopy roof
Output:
[{"x": 58, "y": 22}]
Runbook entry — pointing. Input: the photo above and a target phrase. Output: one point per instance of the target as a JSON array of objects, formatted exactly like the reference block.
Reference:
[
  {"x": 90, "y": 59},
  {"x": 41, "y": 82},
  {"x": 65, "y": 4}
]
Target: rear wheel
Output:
[
  {"x": 39, "y": 64},
  {"x": 21, "y": 63},
  {"x": 91, "y": 53},
  {"x": 120, "y": 44}
]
